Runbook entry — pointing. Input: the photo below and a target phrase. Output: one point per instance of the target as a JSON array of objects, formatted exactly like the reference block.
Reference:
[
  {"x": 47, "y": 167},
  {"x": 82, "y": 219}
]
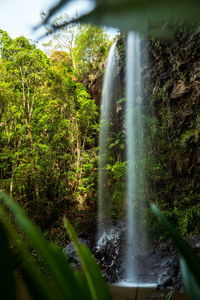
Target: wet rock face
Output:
[
  {"x": 109, "y": 253},
  {"x": 175, "y": 88},
  {"x": 162, "y": 263},
  {"x": 71, "y": 253},
  {"x": 165, "y": 260}
]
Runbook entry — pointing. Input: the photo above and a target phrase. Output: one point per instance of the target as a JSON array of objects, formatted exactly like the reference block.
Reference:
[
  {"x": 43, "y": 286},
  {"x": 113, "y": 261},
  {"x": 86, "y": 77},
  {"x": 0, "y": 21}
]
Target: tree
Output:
[
  {"x": 86, "y": 45},
  {"x": 91, "y": 47},
  {"x": 24, "y": 65},
  {"x": 48, "y": 131},
  {"x": 64, "y": 38}
]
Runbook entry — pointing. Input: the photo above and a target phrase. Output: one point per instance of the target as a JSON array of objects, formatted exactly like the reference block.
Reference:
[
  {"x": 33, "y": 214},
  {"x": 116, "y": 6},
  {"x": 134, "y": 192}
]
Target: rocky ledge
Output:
[{"x": 162, "y": 261}]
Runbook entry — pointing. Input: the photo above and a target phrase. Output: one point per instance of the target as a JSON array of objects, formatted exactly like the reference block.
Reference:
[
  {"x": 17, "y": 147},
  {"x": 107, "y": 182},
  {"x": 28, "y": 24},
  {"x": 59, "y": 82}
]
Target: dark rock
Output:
[
  {"x": 108, "y": 252},
  {"x": 89, "y": 233},
  {"x": 162, "y": 265},
  {"x": 166, "y": 280},
  {"x": 71, "y": 253},
  {"x": 174, "y": 262}
]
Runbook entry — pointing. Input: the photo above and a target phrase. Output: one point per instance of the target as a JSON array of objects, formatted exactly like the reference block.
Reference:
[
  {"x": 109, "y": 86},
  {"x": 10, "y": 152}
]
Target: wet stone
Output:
[{"x": 162, "y": 264}]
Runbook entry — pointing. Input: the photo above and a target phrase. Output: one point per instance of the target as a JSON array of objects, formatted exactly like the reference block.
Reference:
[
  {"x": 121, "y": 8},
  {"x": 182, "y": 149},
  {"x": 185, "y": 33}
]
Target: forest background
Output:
[
  {"x": 49, "y": 124},
  {"x": 49, "y": 127}
]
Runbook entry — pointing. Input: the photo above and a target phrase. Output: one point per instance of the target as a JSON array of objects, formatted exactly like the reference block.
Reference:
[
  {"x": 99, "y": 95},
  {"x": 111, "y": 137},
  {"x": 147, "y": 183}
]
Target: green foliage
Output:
[
  {"x": 91, "y": 47},
  {"x": 116, "y": 171},
  {"x": 188, "y": 220},
  {"x": 57, "y": 280},
  {"x": 170, "y": 294},
  {"x": 86, "y": 46},
  {"x": 171, "y": 132},
  {"x": 48, "y": 132},
  {"x": 189, "y": 262}
]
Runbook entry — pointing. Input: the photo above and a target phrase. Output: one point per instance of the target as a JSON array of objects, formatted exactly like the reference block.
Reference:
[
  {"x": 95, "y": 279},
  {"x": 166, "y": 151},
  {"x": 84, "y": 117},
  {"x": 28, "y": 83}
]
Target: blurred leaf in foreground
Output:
[
  {"x": 62, "y": 281},
  {"x": 189, "y": 262},
  {"x": 135, "y": 14}
]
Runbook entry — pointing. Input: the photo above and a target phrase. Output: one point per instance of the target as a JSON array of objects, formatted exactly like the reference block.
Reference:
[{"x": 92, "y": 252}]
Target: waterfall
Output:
[
  {"x": 110, "y": 82},
  {"x": 136, "y": 269},
  {"x": 135, "y": 237}
]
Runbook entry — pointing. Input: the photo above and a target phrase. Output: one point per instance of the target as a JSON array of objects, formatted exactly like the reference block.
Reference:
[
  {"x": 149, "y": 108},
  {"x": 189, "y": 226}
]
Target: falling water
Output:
[
  {"x": 135, "y": 254},
  {"x": 135, "y": 239},
  {"x": 108, "y": 98}
]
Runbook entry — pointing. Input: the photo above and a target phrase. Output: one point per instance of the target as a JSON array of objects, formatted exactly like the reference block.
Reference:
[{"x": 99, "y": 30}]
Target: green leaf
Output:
[
  {"x": 72, "y": 285},
  {"x": 36, "y": 282},
  {"x": 95, "y": 281},
  {"x": 186, "y": 252},
  {"x": 81, "y": 281},
  {"x": 108, "y": 167},
  {"x": 190, "y": 281},
  {"x": 7, "y": 285},
  {"x": 170, "y": 294},
  {"x": 53, "y": 259},
  {"x": 55, "y": 9},
  {"x": 136, "y": 293},
  {"x": 138, "y": 14},
  {"x": 39, "y": 285}
]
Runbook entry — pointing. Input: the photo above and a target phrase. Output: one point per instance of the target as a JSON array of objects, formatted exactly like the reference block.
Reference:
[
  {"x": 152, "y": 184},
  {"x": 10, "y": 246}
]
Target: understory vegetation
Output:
[{"x": 50, "y": 276}]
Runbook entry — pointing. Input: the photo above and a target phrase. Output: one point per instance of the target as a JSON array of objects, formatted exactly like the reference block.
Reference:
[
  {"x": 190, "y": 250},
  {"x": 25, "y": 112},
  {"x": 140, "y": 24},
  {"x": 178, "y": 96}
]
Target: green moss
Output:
[{"x": 172, "y": 133}]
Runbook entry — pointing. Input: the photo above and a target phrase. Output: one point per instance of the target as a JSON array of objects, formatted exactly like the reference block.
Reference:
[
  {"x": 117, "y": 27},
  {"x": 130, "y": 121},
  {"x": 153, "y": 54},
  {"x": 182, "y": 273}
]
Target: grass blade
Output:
[
  {"x": 80, "y": 278},
  {"x": 190, "y": 282},
  {"x": 36, "y": 282},
  {"x": 95, "y": 281},
  {"x": 67, "y": 272},
  {"x": 186, "y": 252},
  {"x": 66, "y": 283},
  {"x": 7, "y": 284}
]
